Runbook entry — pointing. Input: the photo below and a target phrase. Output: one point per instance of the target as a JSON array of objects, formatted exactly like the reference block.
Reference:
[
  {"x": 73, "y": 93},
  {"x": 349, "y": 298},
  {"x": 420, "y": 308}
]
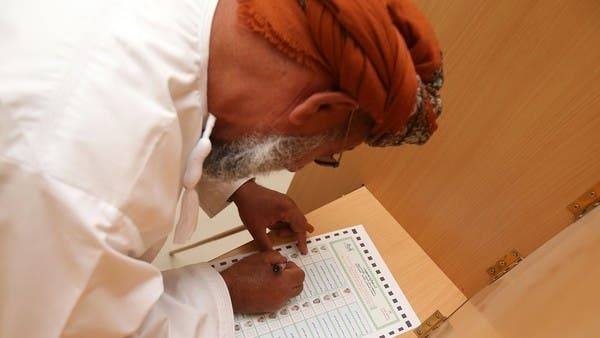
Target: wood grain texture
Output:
[
  {"x": 316, "y": 186},
  {"x": 552, "y": 293},
  {"x": 519, "y": 138},
  {"x": 423, "y": 283}
]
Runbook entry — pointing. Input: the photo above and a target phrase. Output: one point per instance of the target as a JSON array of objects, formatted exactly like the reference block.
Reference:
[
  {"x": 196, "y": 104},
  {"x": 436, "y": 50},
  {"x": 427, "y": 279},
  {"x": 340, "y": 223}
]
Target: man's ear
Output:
[{"x": 324, "y": 107}]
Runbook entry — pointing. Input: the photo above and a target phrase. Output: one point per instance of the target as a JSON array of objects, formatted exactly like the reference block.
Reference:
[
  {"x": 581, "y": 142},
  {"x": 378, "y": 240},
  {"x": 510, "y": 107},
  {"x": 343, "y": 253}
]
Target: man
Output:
[{"x": 102, "y": 108}]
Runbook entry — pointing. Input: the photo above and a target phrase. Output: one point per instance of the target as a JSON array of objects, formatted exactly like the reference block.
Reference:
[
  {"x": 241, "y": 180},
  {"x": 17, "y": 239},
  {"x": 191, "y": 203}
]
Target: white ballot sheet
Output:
[{"x": 348, "y": 292}]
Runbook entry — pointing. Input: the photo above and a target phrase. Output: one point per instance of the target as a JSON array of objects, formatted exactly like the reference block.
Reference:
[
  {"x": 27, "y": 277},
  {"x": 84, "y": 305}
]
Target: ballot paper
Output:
[{"x": 348, "y": 292}]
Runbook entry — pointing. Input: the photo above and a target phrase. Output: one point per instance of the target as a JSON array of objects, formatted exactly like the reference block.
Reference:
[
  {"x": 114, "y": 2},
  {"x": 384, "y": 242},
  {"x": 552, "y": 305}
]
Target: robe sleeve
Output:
[
  {"x": 214, "y": 194},
  {"x": 68, "y": 270}
]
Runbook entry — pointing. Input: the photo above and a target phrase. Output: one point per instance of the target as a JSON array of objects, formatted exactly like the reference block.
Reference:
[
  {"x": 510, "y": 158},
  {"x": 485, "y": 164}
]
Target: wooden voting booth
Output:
[
  {"x": 516, "y": 157},
  {"x": 551, "y": 293},
  {"x": 519, "y": 141}
]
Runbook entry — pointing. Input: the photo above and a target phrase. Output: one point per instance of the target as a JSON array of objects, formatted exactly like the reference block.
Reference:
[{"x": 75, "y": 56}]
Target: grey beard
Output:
[{"x": 256, "y": 155}]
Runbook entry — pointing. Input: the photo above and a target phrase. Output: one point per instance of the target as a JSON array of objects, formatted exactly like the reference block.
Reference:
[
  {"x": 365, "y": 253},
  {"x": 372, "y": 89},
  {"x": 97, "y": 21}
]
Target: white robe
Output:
[{"x": 100, "y": 104}]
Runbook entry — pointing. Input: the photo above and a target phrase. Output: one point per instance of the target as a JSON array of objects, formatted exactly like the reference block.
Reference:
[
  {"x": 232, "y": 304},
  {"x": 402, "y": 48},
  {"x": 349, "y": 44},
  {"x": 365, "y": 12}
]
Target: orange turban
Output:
[{"x": 384, "y": 53}]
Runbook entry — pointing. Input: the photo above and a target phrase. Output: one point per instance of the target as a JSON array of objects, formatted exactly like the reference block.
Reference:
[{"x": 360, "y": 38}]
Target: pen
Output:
[{"x": 279, "y": 267}]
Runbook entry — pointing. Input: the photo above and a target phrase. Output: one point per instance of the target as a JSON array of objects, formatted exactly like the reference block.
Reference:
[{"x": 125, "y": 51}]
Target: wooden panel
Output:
[
  {"x": 518, "y": 141},
  {"x": 316, "y": 186},
  {"x": 552, "y": 293},
  {"x": 424, "y": 284}
]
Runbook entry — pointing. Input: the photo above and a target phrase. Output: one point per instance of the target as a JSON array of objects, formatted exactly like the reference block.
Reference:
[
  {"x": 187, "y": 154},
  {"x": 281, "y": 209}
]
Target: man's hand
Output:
[
  {"x": 261, "y": 208},
  {"x": 255, "y": 288}
]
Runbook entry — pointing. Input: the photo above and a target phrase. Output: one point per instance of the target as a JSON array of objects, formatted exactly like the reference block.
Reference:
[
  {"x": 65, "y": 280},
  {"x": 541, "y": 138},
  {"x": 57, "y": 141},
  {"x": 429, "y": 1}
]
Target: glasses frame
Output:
[{"x": 331, "y": 161}]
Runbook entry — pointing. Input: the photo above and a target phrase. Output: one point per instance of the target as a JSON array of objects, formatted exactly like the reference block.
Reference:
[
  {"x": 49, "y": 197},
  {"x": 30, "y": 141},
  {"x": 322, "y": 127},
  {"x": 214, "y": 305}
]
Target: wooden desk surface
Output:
[{"x": 424, "y": 284}]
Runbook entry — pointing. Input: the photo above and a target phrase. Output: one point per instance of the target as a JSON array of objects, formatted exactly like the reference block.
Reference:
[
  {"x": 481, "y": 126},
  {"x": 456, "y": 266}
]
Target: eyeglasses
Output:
[{"x": 333, "y": 161}]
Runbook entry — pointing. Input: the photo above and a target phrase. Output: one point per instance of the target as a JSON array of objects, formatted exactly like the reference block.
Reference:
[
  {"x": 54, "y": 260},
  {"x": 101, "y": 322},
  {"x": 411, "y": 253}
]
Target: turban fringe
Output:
[{"x": 383, "y": 53}]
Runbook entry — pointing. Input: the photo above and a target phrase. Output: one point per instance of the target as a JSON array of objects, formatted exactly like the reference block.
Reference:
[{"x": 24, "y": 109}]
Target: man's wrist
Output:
[{"x": 241, "y": 191}]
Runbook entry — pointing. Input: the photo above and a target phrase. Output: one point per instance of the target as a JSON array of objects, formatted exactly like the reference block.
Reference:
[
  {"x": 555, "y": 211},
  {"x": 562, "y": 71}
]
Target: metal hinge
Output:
[
  {"x": 585, "y": 203},
  {"x": 428, "y": 326},
  {"x": 504, "y": 265}
]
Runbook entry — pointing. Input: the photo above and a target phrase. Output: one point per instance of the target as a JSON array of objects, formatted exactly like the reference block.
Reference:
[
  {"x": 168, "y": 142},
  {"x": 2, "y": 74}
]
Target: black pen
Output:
[{"x": 279, "y": 267}]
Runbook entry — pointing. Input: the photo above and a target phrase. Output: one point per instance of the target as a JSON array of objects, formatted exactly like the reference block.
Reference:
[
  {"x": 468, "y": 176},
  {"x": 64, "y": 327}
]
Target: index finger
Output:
[
  {"x": 299, "y": 225},
  {"x": 302, "y": 242}
]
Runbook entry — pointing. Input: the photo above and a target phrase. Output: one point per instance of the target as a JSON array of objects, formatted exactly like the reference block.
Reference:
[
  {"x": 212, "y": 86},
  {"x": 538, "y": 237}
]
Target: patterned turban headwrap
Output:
[{"x": 383, "y": 53}]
